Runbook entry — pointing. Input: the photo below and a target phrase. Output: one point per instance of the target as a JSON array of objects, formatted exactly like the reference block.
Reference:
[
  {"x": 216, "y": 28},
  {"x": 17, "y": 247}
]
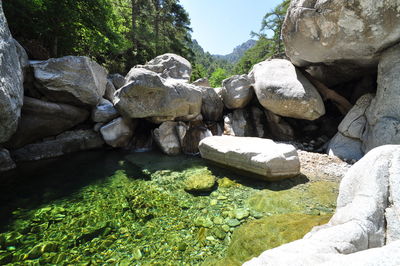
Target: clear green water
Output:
[{"x": 112, "y": 208}]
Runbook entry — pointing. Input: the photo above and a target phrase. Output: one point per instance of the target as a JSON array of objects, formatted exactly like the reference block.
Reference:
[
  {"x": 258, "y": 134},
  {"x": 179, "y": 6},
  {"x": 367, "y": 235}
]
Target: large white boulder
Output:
[
  {"x": 11, "y": 82},
  {"x": 71, "y": 79},
  {"x": 166, "y": 137},
  {"x": 147, "y": 95},
  {"x": 283, "y": 90},
  {"x": 263, "y": 157},
  {"x": 368, "y": 193},
  {"x": 237, "y": 91}
]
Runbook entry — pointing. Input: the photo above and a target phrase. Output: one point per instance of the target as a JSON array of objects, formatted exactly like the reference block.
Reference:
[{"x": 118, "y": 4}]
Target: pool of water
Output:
[{"x": 108, "y": 207}]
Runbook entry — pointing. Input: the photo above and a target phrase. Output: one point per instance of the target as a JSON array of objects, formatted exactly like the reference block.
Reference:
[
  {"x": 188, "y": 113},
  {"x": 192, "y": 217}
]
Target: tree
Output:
[{"x": 217, "y": 77}]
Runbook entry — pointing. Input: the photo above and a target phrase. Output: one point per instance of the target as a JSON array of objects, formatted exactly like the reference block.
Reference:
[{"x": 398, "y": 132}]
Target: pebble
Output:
[
  {"x": 218, "y": 220},
  {"x": 213, "y": 202},
  {"x": 137, "y": 254},
  {"x": 233, "y": 222},
  {"x": 241, "y": 214},
  {"x": 226, "y": 228}
]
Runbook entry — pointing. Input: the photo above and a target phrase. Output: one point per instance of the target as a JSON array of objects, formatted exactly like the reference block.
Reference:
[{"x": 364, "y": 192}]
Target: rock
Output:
[
  {"x": 327, "y": 30},
  {"x": 117, "y": 80},
  {"x": 6, "y": 163},
  {"x": 170, "y": 66},
  {"x": 283, "y": 90},
  {"x": 23, "y": 58},
  {"x": 200, "y": 182},
  {"x": 190, "y": 135},
  {"x": 383, "y": 114},
  {"x": 212, "y": 105},
  {"x": 104, "y": 112},
  {"x": 345, "y": 148},
  {"x": 11, "y": 85},
  {"x": 42, "y": 119},
  {"x": 353, "y": 125},
  {"x": 67, "y": 142},
  {"x": 239, "y": 123},
  {"x": 167, "y": 138},
  {"x": 146, "y": 95},
  {"x": 202, "y": 82},
  {"x": 359, "y": 221},
  {"x": 71, "y": 79},
  {"x": 110, "y": 90},
  {"x": 237, "y": 91},
  {"x": 259, "y": 122},
  {"x": 263, "y": 157},
  {"x": 118, "y": 132},
  {"x": 278, "y": 128}
]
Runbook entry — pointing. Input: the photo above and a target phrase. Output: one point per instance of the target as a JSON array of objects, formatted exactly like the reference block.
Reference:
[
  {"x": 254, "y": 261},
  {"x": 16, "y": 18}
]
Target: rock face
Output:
[
  {"x": 170, "y": 66},
  {"x": 282, "y": 89},
  {"x": 263, "y": 157},
  {"x": 104, "y": 112},
  {"x": 368, "y": 194},
  {"x": 383, "y": 115},
  {"x": 237, "y": 91},
  {"x": 147, "y": 95},
  {"x": 72, "y": 79},
  {"x": 212, "y": 105},
  {"x": 42, "y": 119},
  {"x": 167, "y": 139},
  {"x": 328, "y": 30},
  {"x": 6, "y": 163},
  {"x": 67, "y": 142},
  {"x": 11, "y": 82},
  {"x": 118, "y": 132}
]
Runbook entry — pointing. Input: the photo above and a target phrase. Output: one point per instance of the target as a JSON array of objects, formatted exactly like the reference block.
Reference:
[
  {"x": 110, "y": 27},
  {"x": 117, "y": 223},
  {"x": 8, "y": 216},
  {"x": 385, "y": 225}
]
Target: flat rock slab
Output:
[{"x": 267, "y": 159}]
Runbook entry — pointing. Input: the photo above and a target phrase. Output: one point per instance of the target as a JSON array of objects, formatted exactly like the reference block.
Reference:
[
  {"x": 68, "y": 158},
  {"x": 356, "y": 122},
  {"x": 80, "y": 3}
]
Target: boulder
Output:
[
  {"x": 368, "y": 189},
  {"x": 147, "y": 95},
  {"x": 170, "y": 66},
  {"x": 328, "y": 30},
  {"x": 263, "y": 157},
  {"x": 11, "y": 82},
  {"x": 104, "y": 112},
  {"x": 212, "y": 105},
  {"x": 42, "y": 119},
  {"x": 278, "y": 128},
  {"x": 201, "y": 181},
  {"x": 259, "y": 122},
  {"x": 23, "y": 58},
  {"x": 354, "y": 123},
  {"x": 283, "y": 90},
  {"x": 118, "y": 132},
  {"x": 190, "y": 135},
  {"x": 237, "y": 91},
  {"x": 383, "y": 114},
  {"x": 239, "y": 123},
  {"x": 6, "y": 163},
  {"x": 202, "y": 82},
  {"x": 67, "y": 142},
  {"x": 345, "y": 148},
  {"x": 110, "y": 90},
  {"x": 75, "y": 80},
  {"x": 117, "y": 80},
  {"x": 167, "y": 139}
]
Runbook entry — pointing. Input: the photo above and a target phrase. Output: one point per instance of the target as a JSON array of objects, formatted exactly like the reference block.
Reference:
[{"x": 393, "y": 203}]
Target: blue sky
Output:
[{"x": 221, "y": 25}]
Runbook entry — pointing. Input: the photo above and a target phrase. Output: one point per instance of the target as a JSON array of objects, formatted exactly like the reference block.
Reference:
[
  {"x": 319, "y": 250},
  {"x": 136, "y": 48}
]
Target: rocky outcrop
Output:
[
  {"x": 147, "y": 95},
  {"x": 383, "y": 115},
  {"x": 11, "y": 82},
  {"x": 323, "y": 31},
  {"x": 263, "y": 157},
  {"x": 118, "y": 132},
  {"x": 104, "y": 112},
  {"x": 72, "y": 79},
  {"x": 237, "y": 91},
  {"x": 67, "y": 142},
  {"x": 212, "y": 105},
  {"x": 6, "y": 163},
  {"x": 42, "y": 119},
  {"x": 368, "y": 194},
  {"x": 170, "y": 66},
  {"x": 283, "y": 90},
  {"x": 167, "y": 139}
]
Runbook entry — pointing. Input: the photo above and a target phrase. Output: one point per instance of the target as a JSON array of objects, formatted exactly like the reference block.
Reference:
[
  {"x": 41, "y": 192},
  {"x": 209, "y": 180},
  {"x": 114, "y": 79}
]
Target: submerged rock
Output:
[
  {"x": 263, "y": 157},
  {"x": 200, "y": 182},
  {"x": 71, "y": 79}
]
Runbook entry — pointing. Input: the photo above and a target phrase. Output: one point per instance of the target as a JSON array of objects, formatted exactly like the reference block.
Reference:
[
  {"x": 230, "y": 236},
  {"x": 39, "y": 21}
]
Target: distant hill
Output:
[{"x": 238, "y": 52}]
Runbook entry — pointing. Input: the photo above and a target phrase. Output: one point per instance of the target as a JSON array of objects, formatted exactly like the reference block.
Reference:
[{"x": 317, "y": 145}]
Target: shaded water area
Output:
[{"x": 116, "y": 208}]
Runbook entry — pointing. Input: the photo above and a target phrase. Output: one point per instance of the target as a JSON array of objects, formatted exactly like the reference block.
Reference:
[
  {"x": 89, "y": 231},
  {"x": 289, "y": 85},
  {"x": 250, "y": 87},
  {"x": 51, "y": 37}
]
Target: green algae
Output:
[{"x": 133, "y": 210}]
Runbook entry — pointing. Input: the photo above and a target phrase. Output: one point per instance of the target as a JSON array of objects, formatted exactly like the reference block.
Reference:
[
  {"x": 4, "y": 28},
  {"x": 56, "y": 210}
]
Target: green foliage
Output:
[{"x": 218, "y": 76}]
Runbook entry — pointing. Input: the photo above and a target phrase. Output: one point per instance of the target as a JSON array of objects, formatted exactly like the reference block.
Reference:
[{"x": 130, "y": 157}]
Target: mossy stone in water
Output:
[
  {"x": 254, "y": 237},
  {"x": 200, "y": 182}
]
